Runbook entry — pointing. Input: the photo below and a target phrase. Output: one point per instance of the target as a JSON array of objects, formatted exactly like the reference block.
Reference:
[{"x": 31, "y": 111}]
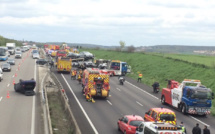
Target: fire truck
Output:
[
  {"x": 158, "y": 128},
  {"x": 189, "y": 96},
  {"x": 64, "y": 64},
  {"x": 95, "y": 82}
]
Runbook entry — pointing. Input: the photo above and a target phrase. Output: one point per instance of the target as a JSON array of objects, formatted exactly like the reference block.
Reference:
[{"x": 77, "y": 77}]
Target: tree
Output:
[
  {"x": 131, "y": 49},
  {"x": 122, "y": 44}
]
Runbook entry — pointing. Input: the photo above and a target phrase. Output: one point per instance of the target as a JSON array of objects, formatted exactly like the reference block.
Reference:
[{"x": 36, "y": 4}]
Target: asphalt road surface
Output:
[
  {"x": 17, "y": 111},
  {"x": 131, "y": 98}
]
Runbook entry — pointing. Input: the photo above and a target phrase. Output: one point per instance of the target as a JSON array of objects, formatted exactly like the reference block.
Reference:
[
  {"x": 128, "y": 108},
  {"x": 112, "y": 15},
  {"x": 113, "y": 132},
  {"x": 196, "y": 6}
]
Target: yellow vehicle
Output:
[
  {"x": 64, "y": 64},
  {"x": 96, "y": 83},
  {"x": 54, "y": 53}
]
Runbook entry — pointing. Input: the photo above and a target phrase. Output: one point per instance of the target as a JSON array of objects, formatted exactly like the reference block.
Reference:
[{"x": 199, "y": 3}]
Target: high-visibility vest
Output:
[
  {"x": 140, "y": 75},
  {"x": 79, "y": 76}
]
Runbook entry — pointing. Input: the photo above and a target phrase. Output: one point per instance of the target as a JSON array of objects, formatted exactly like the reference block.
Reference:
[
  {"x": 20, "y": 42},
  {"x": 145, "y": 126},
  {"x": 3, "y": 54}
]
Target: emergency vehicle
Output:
[
  {"x": 117, "y": 67},
  {"x": 95, "y": 82},
  {"x": 61, "y": 53},
  {"x": 189, "y": 96},
  {"x": 160, "y": 115},
  {"x": 158, "y": 128},
  {"x": 64, "y": 64}
]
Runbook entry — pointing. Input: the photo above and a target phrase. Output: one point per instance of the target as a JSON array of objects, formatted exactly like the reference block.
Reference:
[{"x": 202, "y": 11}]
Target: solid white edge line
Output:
[
  {"x": 109, "y": 102},
  {"x": 139, "y": 103},
  {"x": 93, "y": 127},
  {"x": 1, "y": 98},
  {"x": 199, "y": 121},
  {"x": 143, "y": 91},
  {"x": 33, "y": 104}
]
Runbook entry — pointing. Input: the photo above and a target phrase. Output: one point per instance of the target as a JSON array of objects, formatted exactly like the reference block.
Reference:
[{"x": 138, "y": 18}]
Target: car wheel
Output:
[
  {"x": 163, "y": 100},
  {"x": 183, "y": 109},
  {"x": 0, "y": 79},
  {"x": 124, "y": 132},
  {"x": 118, "y": 127}
]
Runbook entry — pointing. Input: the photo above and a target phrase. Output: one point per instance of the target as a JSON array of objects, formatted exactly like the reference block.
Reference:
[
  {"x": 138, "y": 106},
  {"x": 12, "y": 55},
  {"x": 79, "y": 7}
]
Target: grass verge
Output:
[{"x": 60, "y": 123}]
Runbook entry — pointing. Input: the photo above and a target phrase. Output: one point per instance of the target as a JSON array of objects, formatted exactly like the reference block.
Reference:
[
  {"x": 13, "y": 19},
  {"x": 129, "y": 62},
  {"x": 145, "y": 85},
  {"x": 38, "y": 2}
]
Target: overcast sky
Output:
[{"x": 106, "y": 22}]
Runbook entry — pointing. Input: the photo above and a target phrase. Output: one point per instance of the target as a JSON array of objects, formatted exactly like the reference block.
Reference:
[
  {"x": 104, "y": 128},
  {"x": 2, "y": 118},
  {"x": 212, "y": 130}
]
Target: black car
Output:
[
  {"x": 41, "y": 61},
  {"x": 86, "y": 55},
  {"x": 6, "y": 67},
  {"x": 73, "y": 55},
  {"x": 11, "y": 61}
]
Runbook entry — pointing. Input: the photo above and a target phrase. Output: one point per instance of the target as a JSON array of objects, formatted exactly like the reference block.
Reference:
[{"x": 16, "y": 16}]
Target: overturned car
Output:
[{"x": 25, "y": 86}]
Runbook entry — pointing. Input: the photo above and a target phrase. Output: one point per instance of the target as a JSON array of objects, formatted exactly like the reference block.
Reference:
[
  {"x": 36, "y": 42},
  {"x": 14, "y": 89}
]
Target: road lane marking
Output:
[
  {"x": 33, "y": 104},
  {"x": 199, "y": 120},
  {"x": 139, "y": 103},
  {"x": 93, "y": 127},
  {"x": 143, "y": 90},
  {"x": 118, "y": 89},
  {"x": 8, "y": 85},
  {"x": 109, "y": 102},
  {"x": 13, "y": 76},
  {"x": 1, "y": 98}
]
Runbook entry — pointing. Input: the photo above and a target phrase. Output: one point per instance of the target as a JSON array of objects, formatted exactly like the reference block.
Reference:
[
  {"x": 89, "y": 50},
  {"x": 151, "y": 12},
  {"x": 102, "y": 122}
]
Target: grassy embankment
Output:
[
  {"x": 159, "y": 68},
  {"x": 3, "y": 41}
]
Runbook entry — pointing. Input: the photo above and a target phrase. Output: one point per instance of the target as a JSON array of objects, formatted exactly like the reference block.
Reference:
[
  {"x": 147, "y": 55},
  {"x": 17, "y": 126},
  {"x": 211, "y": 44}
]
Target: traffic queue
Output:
[{"x": 95, "y": 83}]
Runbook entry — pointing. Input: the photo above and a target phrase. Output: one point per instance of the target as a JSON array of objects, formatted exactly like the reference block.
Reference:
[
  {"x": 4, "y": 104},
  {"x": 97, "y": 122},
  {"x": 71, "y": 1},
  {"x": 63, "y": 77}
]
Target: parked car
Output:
[
  {"x": 11, "y": 61},
  {"x": 41, "y": 61},
  {"x": 73, "y": 55},
  {"x": 18, "y": 54},
  {"x": 6, "y": 67},
  {"x": 128, "y": 123},
  {"x": 75, "y": 64},
  {"x": 1, "y": 75},
  {"x": 89, "y": 64},
  {"x": 35, "y": 56},
  {"x": 86, "y": 55}
]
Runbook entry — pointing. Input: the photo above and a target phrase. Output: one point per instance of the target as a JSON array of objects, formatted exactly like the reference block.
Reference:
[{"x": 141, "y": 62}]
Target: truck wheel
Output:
[
  {"x": 0, "y": 79},
  {"x": 163, "y": 100},
  {"x": 183, "y": 109}
]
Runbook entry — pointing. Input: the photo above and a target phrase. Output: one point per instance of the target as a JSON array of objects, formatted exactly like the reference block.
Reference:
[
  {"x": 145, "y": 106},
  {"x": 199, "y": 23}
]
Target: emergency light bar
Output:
[
  {"x": 164, "y": 126},
  {"x": 192, "y": 80}
]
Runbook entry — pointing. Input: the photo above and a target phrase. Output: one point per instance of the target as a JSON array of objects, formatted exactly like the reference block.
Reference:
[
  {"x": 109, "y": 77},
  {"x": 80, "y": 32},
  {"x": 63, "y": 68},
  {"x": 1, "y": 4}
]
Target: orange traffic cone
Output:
[
  {"x": 13, "y": 82},
  {"x": 8, "y": 95},
  {"x": 15, "y": 74}
]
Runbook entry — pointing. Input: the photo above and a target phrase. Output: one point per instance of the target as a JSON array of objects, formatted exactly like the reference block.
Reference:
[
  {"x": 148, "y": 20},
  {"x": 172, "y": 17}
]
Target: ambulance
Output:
[{"x": 158, "y": 128}]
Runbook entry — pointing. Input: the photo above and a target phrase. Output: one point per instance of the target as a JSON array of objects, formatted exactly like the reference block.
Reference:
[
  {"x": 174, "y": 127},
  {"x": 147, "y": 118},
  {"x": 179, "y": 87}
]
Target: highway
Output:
[
  {"x": 131, "y": 98},
  {"x": 19, "y": 114}
]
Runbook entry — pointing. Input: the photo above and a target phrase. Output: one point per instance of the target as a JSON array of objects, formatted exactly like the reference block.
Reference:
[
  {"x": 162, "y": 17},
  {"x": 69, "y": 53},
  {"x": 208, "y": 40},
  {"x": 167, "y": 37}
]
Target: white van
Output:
[{"x": 1, "y": 75}]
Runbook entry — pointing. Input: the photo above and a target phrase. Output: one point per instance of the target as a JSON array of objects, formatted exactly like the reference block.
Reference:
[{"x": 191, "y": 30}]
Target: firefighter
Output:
[
  {"x": 88, "y": 96},
  {"x": 183, "y": 129},
  {"x": 79, "y": 77},
  {"x": 139, "y": 77}
]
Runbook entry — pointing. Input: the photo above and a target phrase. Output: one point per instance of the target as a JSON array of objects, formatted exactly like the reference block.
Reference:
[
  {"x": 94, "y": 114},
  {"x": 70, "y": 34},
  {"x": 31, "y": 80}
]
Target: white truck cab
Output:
[
  {"x": 1, "y": 75},
  {"x": 157, "y": 128}
]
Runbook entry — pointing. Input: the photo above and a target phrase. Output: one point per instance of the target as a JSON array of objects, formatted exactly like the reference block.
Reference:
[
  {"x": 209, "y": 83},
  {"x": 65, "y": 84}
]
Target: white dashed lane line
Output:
[
  {"x": 118, "y": 89},
  {"x": 8, "y": 85},
  {"x": 1, "y": 98},
  {"x": 139, "y": 103},
  {"x": 109, "y": 102}
]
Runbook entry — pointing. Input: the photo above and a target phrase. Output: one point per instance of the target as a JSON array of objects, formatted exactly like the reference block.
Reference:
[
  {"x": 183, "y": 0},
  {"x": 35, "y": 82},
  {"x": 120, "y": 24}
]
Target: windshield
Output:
[
  {"x": 2, "y": 52},
  {"x": 167, "y": 117},
  {"x": 18, "y": 52},
  {"x": 34, "y": 51},
  {"x": 135, "y": 123},
  {"x": 201, "y": 95},
  {"x": 115, "y": 65},
  {"x": 61, "y": 52},
  {"x": 10, "y": 47},
  {"x": 6, "y": 65}
]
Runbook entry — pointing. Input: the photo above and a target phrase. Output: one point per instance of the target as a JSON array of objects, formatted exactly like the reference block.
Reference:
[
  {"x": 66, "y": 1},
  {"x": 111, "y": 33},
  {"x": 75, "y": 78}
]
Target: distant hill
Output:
[{"x": 4, "y": 40}]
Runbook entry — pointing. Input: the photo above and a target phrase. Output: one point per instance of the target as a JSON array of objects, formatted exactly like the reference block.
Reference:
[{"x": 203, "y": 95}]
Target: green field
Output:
[
  {"x": 199, "y": 59},
  {"x": 158, "y": 68}
]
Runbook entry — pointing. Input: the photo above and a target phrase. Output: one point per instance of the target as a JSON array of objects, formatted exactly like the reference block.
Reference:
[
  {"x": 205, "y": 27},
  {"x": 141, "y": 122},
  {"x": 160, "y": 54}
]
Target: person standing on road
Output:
[
  {"x": 206, "y": 130},
  {"x": 139, "y": 77},
  {"x": 196, "y": 129},
  {"x": 183, "y": 128}
]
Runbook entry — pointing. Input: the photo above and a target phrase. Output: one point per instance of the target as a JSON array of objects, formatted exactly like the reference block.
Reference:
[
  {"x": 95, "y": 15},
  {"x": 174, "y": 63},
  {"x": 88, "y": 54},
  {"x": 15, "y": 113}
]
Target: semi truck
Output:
[
  {"x": 189, "y": 97},
  {"x": 11, "y": 48}
]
